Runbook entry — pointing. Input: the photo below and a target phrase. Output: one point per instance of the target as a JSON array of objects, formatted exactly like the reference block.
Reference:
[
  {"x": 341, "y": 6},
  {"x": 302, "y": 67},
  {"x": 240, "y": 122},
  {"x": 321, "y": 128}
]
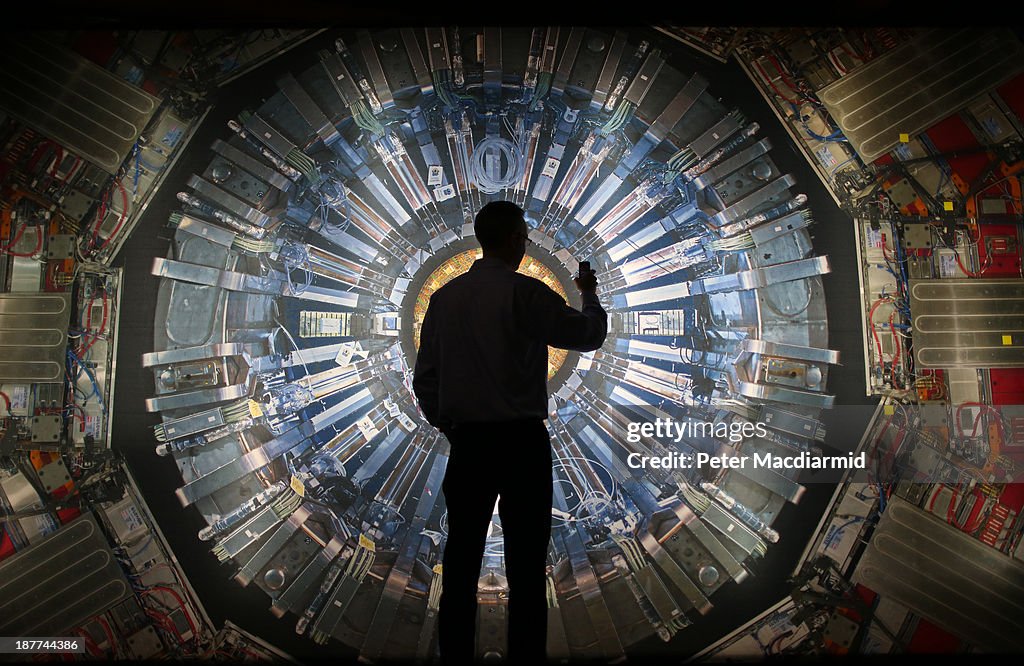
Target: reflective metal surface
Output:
[{"x": 33, "y": 336}]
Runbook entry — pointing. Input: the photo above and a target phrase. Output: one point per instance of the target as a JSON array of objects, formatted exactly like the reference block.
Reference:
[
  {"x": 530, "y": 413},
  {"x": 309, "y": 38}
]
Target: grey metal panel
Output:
[
  {"x": 437, "y": 49},
  {"x": 757, "y": 198},
  {"x": 572, "y": 47},
  {"x": 419, "y": 65},
  {"x": 252, "y": 165},
  {"x": 33, "y": 336},
  {"x": 940, "y": 573},
  {"x": 227, "y": 201},
  {"x": 374, "y": 68},
  {"x": 606, "y": 80},
  {"x": 272, "y": 545},
  {"x": 304, "y": 585},
  {"x": 73, "y": 101},
  {"x": 269, "y": 136},
  {"x": 918, "y": 84},
  {"x": 694, "y": 596},
  {"x": 678, "y": 107},
  {"x": 340, "y": 77},
  {"x": 734, "y": 163},
  {"x": 59, "y": 582},
  {"x": 644, "y": 79},
  {"x": 492, "y": 56},
  {"x": 772, "y": 480},
  {"x": 308, "y": 109},
  {"x": 715, "y": 135},
  {"x": 968, "y": 323}
]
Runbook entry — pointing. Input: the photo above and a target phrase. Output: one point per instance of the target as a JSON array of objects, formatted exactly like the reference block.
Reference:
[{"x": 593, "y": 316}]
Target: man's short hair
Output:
[{"x": 496, "y": 222}]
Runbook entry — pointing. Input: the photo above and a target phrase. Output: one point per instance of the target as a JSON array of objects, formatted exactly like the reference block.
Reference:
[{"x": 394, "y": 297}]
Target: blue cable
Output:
[
  {"x": 135, "y": 181},
  {"x": 90, "y": 375}
]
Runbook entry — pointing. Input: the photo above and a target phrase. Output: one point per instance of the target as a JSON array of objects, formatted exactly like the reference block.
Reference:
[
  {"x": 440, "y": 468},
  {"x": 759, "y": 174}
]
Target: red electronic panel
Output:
[
  {"x": 6, "y": 546},
  {"x": 929, "y": 638},
  {"x": 953, "y": 135},
  {"x": 1003, "y": 242},
  {"x": 1007, "y": 386},
  {"x": 97, "y": 46},
  {"x": 1012, "y": 93}
]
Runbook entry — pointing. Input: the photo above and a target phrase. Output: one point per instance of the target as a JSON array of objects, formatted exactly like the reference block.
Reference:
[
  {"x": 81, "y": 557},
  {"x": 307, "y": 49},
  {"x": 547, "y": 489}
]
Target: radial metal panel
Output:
[
  {"x": 940, "y": 573},
  {"x": 73, "y": 101},
  {"x": 916, "y": 85},
  {"x": 33, "y": 336},
  {"x": 60, "y": 582},
  {"x": 968, "y": 323}
]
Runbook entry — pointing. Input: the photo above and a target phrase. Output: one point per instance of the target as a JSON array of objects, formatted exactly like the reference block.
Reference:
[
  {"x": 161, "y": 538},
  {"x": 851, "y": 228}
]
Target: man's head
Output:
[{"x": 502, "y": 232}]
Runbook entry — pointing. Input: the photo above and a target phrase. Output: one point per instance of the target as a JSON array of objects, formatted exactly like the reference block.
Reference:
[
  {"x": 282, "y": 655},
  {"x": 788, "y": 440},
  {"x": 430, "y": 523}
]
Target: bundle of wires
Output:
[
  {"x": 487, "y": 183},
  {"x": 743, "y": 241},
  {"x": 365, "y": 119},
  {"x": 619, "y": 118},
  {"x": 232, "y": 413},
  {"x": 295, "y": 256},
  {"x": 82, "y": 367},
  {"x": 282, "y": 507}
]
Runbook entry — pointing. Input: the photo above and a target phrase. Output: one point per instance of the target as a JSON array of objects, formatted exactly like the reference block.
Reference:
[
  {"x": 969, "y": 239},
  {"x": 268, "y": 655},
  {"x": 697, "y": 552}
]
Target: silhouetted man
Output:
[{"x": 481, "y": 377}]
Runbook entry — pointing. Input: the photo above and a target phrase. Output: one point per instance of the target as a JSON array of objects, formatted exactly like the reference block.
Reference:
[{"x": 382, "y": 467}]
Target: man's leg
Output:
[
  {"x": 525, "y": 510},
  {"x": 469, "y": 498}
]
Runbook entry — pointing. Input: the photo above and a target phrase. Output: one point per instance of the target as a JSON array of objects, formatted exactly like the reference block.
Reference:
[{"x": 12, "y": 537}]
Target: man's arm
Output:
[
  {"x": 548, "y": 318},
  {"x": 426, "y": 377}
]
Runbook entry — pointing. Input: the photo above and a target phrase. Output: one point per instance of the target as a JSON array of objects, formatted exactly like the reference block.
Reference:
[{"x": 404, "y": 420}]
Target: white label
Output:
[
  {"x": 550, "y": 167},
  {"x": 18, "y": 395},
  {"x": 391, "y": 407},
  {"x": 435, "y": 175},
  {"x": 132, "y": 518},
  {"x": 366, "y": 427},
  {"x": 406, "y": 422},
  {"x": 825, "y": 157},
  {"x": 444, "y": 193},
  {"x": 330, "y": 326},
  {"x": 344, "y": 356},
  {"x": 947, "y": 266}
]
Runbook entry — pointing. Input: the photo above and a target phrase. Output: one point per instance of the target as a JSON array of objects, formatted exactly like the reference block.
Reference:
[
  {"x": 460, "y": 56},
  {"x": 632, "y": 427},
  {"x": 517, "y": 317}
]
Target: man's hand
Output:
[{"x": 586, "y": 281}]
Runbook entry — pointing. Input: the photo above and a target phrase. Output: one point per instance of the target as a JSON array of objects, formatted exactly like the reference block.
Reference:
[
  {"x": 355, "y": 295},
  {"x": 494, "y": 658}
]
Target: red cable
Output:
[
  {"x": 896, "y": 342},
  {"x": 772, "y": 84},
  {"x": 17, "y": 237},
  {"x": 38, "y": 247},
  {"x": 103, "y": 324},
  {"x": 109, "y": 633},
  {"x": 120, "y": 220},
  {"x": 181, "y": 603},
  {"x": 871, "y": 324},
  {"x": 984, "y": 268}
]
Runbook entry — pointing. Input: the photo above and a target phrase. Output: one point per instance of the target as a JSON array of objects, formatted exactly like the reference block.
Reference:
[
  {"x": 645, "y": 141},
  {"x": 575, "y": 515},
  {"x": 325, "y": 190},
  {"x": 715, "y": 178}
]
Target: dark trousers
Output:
[{"x": 513, "y": 460}]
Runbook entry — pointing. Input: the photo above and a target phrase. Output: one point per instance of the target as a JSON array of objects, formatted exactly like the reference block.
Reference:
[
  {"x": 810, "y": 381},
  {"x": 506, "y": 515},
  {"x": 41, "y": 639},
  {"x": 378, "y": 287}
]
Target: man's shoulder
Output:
[
  {"x": 529, "y": 282},
  {"x": 448, "y": 289}
]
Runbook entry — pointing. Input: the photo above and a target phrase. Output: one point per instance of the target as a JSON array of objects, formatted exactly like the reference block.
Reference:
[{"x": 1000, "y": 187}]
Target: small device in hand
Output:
[{"x": 584, "y": 269}]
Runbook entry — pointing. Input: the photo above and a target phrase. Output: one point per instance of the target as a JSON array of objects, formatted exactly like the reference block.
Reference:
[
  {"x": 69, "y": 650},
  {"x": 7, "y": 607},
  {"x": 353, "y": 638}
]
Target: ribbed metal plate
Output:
[
  {"x": 33, "y": 336},
  {"x": 968, "y": 323},
  {"x": 916, "y": 85},
  {"x": 73, "y": 101},
  {"x": 942, "y": 574},
  {"x": 61, "y": 581}
]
